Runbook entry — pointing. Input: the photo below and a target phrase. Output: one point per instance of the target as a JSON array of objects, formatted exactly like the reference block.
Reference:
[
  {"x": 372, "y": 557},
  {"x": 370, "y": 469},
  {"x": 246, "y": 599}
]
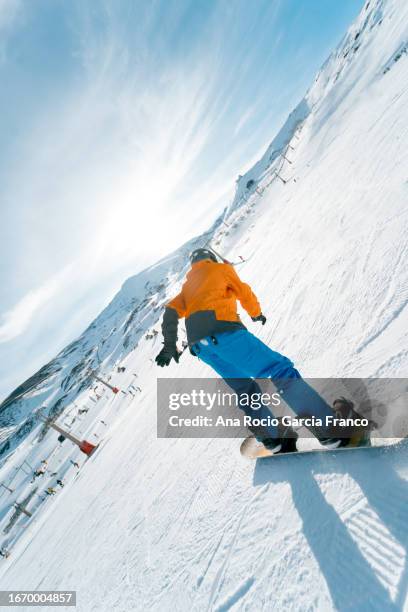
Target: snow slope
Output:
[{"x": 187, "y": 524}]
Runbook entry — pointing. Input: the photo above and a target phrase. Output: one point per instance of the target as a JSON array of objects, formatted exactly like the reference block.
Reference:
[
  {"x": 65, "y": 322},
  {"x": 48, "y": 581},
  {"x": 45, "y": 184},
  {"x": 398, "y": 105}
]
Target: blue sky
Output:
[{"x": 124, "y": 125}]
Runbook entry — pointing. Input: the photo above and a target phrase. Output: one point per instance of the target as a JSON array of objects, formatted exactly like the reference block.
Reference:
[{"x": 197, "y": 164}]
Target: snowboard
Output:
[{"x": 252, "y": 449}]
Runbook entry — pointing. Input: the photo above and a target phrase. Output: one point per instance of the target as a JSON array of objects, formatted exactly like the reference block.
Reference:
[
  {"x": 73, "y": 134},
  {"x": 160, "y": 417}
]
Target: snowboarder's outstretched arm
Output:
[{"x": 174, "y": 311}]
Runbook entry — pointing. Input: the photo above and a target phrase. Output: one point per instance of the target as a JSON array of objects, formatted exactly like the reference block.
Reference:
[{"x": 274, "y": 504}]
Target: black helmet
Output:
[{"x": 200, "y": 254}]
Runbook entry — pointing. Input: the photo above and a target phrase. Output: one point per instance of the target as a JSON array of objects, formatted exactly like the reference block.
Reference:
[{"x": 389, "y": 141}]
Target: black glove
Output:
[
  {"x": 260, "y": 318},
  {"x": 166, "y": 355}
]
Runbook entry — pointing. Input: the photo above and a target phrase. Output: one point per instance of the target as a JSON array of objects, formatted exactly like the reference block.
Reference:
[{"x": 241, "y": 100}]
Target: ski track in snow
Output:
[{"x": 178, "y": 524}]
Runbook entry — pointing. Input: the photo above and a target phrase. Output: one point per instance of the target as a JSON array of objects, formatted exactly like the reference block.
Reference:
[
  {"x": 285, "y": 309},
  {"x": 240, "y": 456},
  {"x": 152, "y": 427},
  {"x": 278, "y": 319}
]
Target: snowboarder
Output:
[
  {"x": 217, "y": 336},
  {"x": 37, "y": 474},
  {"x": 40, "y": 471},
  {"x": 60, "y": 483},
  {"x": 50, "y": 491}
]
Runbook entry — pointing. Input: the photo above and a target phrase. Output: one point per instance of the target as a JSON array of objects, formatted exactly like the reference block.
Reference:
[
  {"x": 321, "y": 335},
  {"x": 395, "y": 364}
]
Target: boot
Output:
[
  {"x": 285, "y": 443},
  {"x": 344, "y": 409}
]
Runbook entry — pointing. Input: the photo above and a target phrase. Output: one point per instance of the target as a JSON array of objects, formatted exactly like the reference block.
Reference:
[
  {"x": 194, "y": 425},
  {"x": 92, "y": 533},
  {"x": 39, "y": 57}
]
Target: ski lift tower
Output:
[
  {"x": 86, "y": 447},
  {"x": 103, "y": 382}
]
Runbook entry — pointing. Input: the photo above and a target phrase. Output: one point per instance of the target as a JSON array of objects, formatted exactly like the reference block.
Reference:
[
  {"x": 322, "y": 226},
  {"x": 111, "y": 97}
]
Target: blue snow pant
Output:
[{"x": 239, "y": 357}]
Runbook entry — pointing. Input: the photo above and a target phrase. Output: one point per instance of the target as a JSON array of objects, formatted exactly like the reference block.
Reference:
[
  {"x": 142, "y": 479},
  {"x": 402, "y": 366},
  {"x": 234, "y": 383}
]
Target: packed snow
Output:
[{"x": 319, "y": 228}]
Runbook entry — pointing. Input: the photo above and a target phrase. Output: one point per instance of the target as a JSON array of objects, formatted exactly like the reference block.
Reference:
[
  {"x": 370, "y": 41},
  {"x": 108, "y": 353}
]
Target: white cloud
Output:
[
  {"x": 244, "y": 119},
  {"x": 16, "y": 321}
]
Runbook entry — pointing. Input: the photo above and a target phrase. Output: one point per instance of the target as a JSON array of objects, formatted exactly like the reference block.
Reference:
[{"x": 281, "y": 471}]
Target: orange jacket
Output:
[{"x": 208, "y": 301}]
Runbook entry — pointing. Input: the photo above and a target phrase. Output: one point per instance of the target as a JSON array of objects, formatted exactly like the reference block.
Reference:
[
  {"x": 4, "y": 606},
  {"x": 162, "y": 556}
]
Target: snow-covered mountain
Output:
[{"x": 320, "y": 227}]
